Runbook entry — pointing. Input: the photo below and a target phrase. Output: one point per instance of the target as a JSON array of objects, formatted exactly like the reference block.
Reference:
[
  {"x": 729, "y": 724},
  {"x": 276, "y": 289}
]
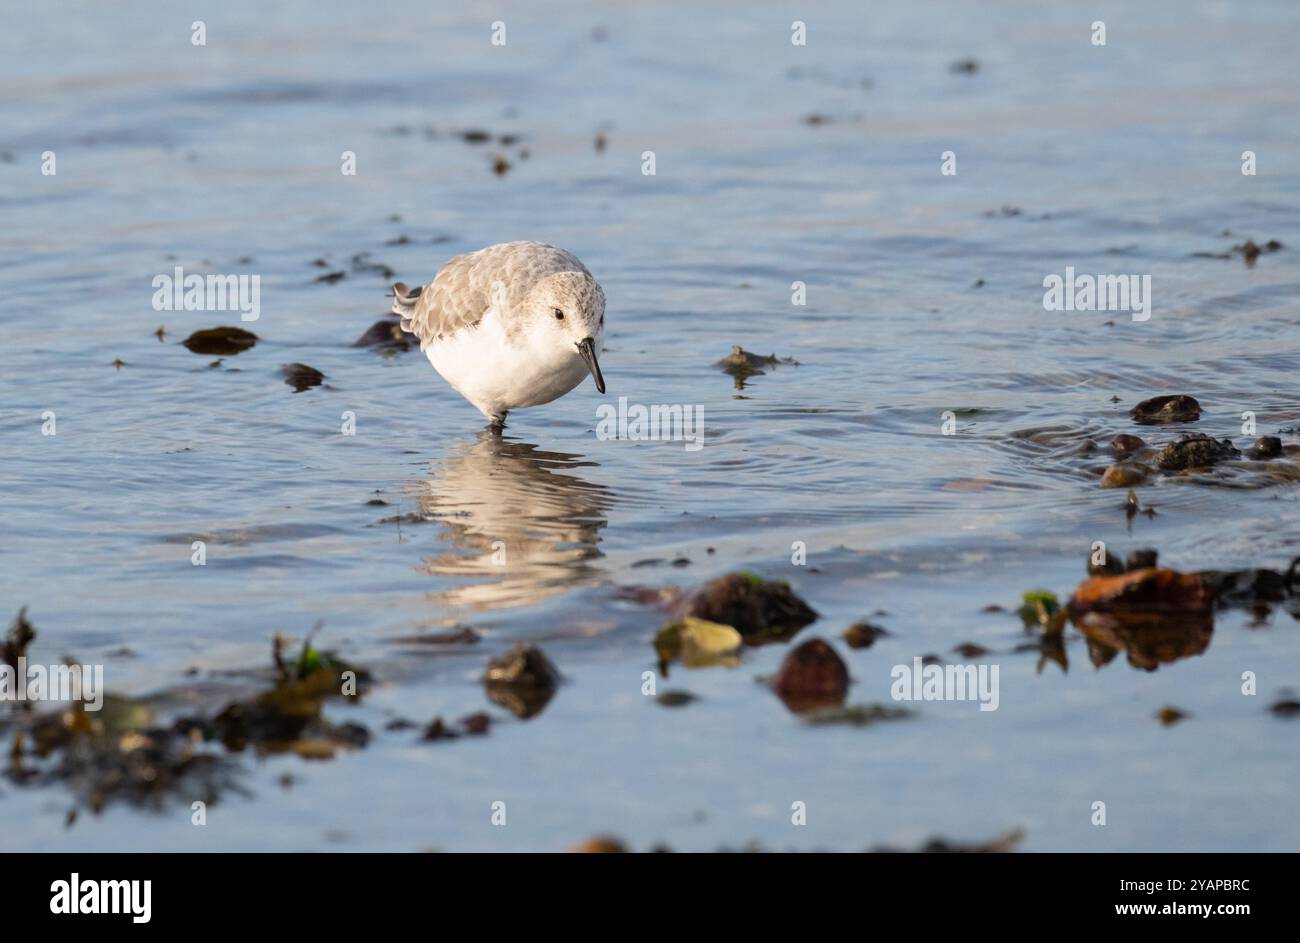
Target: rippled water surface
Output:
[{"x": 924, "y": 295}]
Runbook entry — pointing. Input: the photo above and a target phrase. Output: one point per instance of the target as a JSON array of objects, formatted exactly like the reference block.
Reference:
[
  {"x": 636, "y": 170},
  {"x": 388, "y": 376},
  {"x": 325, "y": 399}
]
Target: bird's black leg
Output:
[{"x": 498, "y": 423}]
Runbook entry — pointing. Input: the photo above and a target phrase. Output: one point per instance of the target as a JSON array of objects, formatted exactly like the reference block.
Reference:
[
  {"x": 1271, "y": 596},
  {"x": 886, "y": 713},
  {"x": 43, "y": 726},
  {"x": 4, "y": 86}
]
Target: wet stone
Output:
[
  {"x": 220, "y": 341},
  {"x": 812, "y": 676},
  {"x": 1268, "y": 446},
  {"x": 1162, "y": 409},
  {"x": 1197, "y": 450}
]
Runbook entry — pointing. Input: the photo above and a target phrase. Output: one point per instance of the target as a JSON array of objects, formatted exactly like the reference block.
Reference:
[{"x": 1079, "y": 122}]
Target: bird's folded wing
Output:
[
  {"x": 467, "y": 286},
  {"x": 453, "y": 300}
]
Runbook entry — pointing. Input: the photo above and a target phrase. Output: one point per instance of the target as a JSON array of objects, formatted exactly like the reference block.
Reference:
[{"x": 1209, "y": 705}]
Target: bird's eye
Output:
[{"x": 559, "y": 315}]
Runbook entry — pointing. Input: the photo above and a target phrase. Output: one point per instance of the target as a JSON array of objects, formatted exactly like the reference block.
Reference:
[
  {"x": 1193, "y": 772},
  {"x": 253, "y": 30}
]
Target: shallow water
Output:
[{"x": 1122, "y": 159}]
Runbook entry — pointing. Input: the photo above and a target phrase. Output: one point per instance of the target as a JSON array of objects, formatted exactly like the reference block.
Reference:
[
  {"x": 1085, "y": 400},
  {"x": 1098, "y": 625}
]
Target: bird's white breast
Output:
[{"x": 497, "y": 373}]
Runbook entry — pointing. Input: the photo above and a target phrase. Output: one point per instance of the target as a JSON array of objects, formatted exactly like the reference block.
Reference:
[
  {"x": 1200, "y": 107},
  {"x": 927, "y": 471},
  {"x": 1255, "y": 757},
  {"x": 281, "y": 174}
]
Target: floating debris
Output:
[
  {"x": 1168, "y": 716},
  {"x": 856, "y": 715},
  {"x": 1250, "y": 252},
  {"x": 1287, "y": 708},
  {"x": 675, "y": 698},
  {"x": 472, "y": 725},
  {"x": 125, "y": 752},
  {"x": 475, "y": 136},
  {"x": 500, "y": 166},
  {"x": 220, "y": 341},
  {"x": 287, "y": 718},
  {"x": 812, "y": 676},
  {"x": 301, "y": 377},
  {"x": 1001, "y": 844},
  {"x": 742, "y": 365},
  {"x": 330, "y": 278},
  {"x": 863, "y": 634},
  {"x": 361, "y": 263},
  {"x": 462, "y": 636},
  {"x": 1038, "y": 608},
  {"x": 964, "y": 67},
  {"x": 1164, "y": 409}
]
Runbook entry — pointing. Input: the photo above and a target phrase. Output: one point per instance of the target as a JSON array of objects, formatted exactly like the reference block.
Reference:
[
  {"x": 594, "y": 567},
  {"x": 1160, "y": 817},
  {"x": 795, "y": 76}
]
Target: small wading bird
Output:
[{"x": 509, "y": 326}]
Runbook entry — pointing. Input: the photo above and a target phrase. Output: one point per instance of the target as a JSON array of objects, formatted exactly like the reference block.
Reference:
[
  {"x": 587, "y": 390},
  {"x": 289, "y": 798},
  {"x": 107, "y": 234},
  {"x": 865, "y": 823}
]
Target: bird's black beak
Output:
[{"x": 587, "y": 350}]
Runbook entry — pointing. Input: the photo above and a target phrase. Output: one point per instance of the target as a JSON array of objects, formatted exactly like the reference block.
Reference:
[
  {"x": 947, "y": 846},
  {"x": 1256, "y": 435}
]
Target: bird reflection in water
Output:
[{"x": 515, "y": 517}]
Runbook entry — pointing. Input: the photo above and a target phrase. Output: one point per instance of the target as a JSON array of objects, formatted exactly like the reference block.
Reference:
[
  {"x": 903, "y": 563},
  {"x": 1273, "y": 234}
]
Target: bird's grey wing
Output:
[
  {"x": 467, "y": 286},
  {"x": 454, "y": 299}
]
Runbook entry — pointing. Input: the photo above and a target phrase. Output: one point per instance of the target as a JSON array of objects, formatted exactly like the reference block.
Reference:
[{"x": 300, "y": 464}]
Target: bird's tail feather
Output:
[{"x": 404, "y": 300}]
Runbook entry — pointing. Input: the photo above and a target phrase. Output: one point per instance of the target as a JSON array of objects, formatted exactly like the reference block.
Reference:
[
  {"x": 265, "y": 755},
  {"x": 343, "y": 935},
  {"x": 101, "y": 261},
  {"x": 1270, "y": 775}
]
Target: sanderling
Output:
[{"x": 513, "y": 325}]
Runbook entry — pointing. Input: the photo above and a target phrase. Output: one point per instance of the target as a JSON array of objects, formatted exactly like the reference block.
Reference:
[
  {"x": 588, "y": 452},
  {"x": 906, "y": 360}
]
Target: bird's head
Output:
[{"x": 569, "y": 308}]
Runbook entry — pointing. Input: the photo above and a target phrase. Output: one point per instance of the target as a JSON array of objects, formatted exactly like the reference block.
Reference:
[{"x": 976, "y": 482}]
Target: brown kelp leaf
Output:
[
  {"x": 221, "y": 341},
  {"x": 1147, "y": 589},
  {"x": 523, "y": 680},
  {"x": 301, "y": 377},
  {"x": 812, "y": 676},
  {"x": 1155, "y": 615},
  {"x": 1162, "y": 409},
  {"x": 760, "y": 610}
]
